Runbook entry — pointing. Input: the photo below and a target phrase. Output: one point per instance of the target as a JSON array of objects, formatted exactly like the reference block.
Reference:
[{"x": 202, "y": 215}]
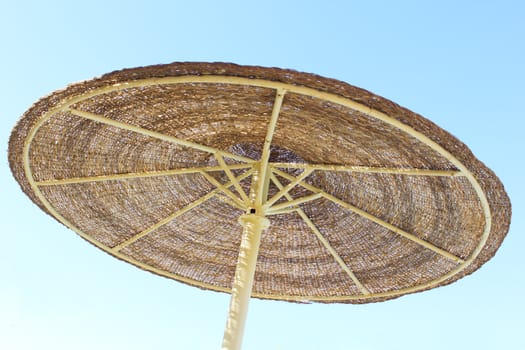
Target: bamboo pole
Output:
[{"x": 242, "y": 285}]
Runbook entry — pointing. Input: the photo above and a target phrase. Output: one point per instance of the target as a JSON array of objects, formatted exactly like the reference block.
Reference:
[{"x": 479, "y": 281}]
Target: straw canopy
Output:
[{"x": 365, "y": 200}]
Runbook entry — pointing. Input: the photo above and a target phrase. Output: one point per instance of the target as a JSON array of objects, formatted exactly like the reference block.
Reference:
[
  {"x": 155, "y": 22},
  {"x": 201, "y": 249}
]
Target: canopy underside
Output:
[{"x": 157, "y": 171}]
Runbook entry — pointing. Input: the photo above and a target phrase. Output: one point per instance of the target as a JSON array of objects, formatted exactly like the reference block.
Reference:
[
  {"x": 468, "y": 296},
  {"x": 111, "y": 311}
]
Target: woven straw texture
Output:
[{"x": 115, "y": 185}]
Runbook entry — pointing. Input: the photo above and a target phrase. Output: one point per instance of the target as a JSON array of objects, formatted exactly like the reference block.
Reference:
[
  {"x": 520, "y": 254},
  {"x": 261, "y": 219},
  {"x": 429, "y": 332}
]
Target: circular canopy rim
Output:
[{"x": 329, "y": 90}]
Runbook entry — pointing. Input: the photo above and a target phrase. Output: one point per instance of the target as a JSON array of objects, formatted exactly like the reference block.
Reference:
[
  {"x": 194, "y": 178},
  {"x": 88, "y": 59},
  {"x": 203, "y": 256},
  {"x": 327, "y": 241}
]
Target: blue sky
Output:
[{"x": 459, "y": 63}]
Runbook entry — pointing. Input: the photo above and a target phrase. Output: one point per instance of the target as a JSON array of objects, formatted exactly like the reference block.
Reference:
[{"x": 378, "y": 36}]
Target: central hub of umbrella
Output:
[
  {"x": 280, "y": 193},
  {"x": 278, "y": 155}
]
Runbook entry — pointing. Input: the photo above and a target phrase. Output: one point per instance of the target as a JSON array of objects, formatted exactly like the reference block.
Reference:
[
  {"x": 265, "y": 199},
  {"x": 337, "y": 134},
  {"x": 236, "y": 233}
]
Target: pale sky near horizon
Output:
[{"x": 460, "y": 64}]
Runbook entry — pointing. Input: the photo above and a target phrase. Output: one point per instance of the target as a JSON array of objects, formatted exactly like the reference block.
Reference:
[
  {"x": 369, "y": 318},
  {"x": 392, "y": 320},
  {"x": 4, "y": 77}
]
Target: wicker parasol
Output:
[{"x": 260, "y": 182}]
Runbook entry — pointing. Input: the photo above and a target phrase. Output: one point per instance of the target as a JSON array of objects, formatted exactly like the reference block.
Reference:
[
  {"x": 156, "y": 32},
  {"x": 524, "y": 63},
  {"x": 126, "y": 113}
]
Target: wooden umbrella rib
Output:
[
  {"x": 225, "y": 190},
  {"x": 332, "y": 251},
  {"x": 181, "y": 171},
  {"x": 395, "y": 229},
  {"x": 264, "y": 173},
  {"x": 323, "y": 240},
  {"x": 165, "y": 221},
  {"x": 366, "y": 169},
  {"x": 292, "y": 203},
  {"x": 375, "y": 219},
  {"x": 288, "y": 187},
  {"x": 229, "y": 201},
  {"x": 237, "y": 204},
  {"x": 231, "y": 177},
  {"x": 286, "y": 210},
  {"x": 173, "y": 216},
  {"x": 108, "y": 121}
]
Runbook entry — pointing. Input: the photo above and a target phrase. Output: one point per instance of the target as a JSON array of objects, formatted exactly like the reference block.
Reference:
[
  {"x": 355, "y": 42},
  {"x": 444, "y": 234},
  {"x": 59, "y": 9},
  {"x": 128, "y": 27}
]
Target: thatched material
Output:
[{"x": 199, "y": 246}]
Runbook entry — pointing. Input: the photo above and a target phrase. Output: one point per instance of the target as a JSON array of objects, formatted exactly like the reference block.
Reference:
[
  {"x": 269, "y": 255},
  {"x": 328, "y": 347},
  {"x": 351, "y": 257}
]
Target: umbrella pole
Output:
[
  {"x": 242, "y": 285},
  {"x": 253, "y": 222}
]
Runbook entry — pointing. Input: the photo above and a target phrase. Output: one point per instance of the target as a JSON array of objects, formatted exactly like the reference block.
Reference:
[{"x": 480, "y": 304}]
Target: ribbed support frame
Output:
[{"x": 242, "y": 285}]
